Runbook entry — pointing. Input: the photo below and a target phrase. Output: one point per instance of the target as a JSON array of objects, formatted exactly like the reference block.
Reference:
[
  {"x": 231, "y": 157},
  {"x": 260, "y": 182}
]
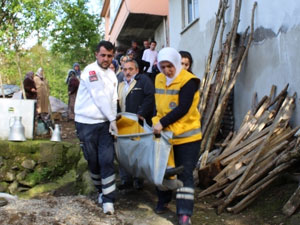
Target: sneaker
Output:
[
  {"x": 100, "y": 200},
  {"x": 108, "y": 208},
  {"x": 161, "y": 208},
  {"x": 184, "y": 220}
]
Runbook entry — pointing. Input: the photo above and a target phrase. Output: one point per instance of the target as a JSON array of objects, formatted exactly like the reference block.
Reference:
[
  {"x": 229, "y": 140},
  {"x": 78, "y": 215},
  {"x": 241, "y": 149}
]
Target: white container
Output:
[{"x": 16, "y": 107}]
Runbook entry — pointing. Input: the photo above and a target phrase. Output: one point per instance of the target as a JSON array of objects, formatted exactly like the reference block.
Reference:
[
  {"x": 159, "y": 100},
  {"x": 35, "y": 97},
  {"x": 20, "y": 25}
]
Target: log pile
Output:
[
  {"x": 218, "y": 80},
  {"x": 263, "y": 148}
]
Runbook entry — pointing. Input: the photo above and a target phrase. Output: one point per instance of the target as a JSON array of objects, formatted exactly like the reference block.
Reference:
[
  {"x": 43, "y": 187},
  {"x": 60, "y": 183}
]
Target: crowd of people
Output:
[{"x": 159, "y": 87}]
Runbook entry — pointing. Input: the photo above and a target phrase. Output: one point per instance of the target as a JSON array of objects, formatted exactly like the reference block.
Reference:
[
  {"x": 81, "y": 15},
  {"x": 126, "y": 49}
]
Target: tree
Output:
[{"x": 76, "y": 33}]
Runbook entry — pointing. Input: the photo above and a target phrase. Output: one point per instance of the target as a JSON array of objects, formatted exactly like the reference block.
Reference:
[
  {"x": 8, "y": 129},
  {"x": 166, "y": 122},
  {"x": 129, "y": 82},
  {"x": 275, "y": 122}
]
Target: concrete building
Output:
[
  {"x": 273, "y": 56},
  {"x": 127, "y": 20}
]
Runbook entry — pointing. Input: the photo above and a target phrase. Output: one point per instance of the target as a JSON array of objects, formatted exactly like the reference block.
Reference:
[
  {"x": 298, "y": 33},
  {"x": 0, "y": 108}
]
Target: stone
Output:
[
  {"x": 9, "y": 176},
  {"x": 13, "y": 187},
  {"x": 86, "y": 184},
  {"x": 21, "y": 175},
  {"x": 28, "y": 164},
  {"x": 3, "y": 202},
  {"x": 3, "y": 186},
  {"x": 1, "y": 161}
]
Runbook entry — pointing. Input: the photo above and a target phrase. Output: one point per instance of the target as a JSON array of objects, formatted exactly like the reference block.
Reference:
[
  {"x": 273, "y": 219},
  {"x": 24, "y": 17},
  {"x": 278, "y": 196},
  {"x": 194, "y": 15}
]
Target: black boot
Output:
[{"x": 174, "y": 171}]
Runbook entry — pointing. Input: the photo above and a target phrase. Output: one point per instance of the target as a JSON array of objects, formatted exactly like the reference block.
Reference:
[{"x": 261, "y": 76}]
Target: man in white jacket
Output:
[{"x": 95, "y": 120}]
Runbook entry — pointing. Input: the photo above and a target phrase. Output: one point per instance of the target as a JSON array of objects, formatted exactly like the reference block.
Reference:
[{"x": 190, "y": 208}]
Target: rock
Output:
[
  {"x": 9, "y": 176},
  {"x": 28, "y": 164},
  {"x": 3, "y": 186},
  {"x": 86, "y": 185},
  {"x": 21, "y": 175},
  {"x": 22, "y": 189},
  {"x": 13, "y": 187},
  {"x": 3, "y": 202},
  {"x": 1, "y": 161}
]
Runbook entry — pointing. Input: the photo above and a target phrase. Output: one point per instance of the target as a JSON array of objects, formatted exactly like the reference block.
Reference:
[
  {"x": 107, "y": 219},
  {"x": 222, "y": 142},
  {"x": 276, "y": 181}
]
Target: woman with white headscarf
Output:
[
  {"x": 176, "y": 99},
  {"x": 42, "y": 93}
]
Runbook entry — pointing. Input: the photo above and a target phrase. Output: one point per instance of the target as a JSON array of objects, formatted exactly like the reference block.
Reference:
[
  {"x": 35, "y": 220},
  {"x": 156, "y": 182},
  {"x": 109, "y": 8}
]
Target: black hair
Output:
[
  {"x": 106, "y": 44},
  {"x": 153, "y": 42},
  {"x": 185, "y": 54}
]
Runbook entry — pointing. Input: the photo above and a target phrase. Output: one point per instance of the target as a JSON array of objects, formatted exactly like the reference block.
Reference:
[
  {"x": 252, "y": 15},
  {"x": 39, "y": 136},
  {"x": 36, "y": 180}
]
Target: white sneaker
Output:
[
  {"x": 100, "y": 201},
  {"x": 108, "y": 208}
]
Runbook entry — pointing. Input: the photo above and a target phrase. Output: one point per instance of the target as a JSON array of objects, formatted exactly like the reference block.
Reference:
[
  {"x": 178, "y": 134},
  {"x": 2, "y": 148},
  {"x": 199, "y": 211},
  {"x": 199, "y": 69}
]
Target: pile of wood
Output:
[
  {"x": 218, "y": 80},
  {"x": 263, "y": 148}
]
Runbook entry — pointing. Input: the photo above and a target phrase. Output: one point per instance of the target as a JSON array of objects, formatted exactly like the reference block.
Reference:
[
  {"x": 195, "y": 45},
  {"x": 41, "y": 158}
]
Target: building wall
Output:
[
  {"x": 160, "y": 36},
  {"x": 272, "y": 58}
]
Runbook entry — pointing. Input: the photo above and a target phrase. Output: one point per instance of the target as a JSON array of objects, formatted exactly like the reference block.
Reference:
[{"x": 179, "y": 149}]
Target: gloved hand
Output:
[{"x": 113, "y": 129}]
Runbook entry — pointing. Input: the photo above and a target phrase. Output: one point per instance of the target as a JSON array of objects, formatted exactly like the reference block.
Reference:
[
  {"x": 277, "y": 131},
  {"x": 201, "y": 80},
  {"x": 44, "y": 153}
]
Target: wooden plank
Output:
[
  {"x": 292, "y": 204},
  {"x": 282, "y": 116}
]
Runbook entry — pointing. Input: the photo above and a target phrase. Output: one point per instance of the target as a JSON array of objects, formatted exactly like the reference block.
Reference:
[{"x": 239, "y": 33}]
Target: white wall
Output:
[{"x": 273, "y": 56}]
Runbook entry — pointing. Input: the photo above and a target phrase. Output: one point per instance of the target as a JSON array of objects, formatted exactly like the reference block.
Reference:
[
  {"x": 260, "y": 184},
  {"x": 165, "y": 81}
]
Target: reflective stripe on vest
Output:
[
  {"x": 188, "y": 133},
  {"x": 168, "y": 92}
]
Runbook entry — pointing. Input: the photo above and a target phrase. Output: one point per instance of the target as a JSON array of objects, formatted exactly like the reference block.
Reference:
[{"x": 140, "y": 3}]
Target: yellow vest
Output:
[{"x": 188, "y": 128}]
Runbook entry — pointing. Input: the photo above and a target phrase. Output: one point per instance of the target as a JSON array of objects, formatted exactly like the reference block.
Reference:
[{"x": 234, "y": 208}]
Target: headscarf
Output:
[
  {"x": 39, "y": 73},
  {"x": 116, "y": 65},
  {"x": 171, "y": 55},
  {"x": 77, "y": 72},
  {"x": 29, "y": 75},
  {"x": 70, "y": 72}
]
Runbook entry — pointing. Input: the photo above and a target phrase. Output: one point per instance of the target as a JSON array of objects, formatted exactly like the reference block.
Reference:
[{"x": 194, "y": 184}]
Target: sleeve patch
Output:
[{"x": 92, "y": 76}]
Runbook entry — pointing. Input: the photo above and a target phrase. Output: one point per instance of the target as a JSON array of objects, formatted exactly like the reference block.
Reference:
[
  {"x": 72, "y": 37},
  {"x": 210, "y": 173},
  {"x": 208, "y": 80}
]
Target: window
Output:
[{"x": 190, "y": 11}]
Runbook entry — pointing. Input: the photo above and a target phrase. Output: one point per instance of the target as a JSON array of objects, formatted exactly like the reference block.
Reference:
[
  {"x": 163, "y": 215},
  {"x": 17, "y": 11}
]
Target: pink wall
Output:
[{"x": 153, "y": 7}]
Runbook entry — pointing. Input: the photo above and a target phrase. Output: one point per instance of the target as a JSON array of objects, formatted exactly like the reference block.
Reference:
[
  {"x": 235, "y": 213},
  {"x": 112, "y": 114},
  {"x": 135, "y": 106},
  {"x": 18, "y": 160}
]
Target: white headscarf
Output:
[
  {"x": 40, "y": 72},
  {"x": 171, "y": 55}
]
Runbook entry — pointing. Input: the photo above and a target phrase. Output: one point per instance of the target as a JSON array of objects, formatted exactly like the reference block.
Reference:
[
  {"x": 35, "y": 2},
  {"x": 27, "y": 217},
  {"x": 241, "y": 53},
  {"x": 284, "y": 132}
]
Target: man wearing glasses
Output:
[
  {"x": 136, "y": 95},
  {"x": 95, "y": 120}
]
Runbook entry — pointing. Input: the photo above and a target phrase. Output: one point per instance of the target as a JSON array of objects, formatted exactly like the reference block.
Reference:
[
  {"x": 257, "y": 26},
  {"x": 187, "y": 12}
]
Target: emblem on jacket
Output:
[
  {"x": 172, "y": 105},
  {"x": 92, "y": 76}
]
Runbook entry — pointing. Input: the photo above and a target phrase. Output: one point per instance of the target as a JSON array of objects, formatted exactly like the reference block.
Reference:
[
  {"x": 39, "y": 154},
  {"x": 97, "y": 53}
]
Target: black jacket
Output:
[{"x": 140, "y": 100}]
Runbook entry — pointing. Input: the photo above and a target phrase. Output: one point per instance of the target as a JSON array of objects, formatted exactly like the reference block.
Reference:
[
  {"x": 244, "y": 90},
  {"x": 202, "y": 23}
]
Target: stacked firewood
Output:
[
  {"x": 263, "y": 148},
  {"x": 218, "y": 80}
]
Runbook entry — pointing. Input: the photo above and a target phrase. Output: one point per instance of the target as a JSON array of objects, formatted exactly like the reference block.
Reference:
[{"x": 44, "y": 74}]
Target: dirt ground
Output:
[{"x": 64, "y": 207}]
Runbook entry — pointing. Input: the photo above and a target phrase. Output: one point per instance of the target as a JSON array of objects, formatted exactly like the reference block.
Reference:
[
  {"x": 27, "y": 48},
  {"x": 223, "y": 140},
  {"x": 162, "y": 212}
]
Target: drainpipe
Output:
[{"x": 166, "y": 33}]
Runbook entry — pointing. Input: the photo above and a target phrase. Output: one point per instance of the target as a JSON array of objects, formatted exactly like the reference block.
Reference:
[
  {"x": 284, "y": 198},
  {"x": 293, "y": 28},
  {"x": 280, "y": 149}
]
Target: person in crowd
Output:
[
  {"x": 120, "y": 75},
  {"x": 120, "y": 51},
  {"x": 95, "y": 121},
  {"x": 136, "y": 95},
  {"x": 143, "y": 65},
  {"x": 29, "y": 86},
  {"x": 72, "y": 92},
  {"x": 186, "y": 60},
  {"x": 42, "y": 87},
  {"x": 176, "y": 100},
  {"x": 114, "y": 66},
  {"x": 134, "y": 49},
  {"x": 150, "y": 55},
  {"x": 146, "y": 45},
  {"x": 76, "y": 68}
]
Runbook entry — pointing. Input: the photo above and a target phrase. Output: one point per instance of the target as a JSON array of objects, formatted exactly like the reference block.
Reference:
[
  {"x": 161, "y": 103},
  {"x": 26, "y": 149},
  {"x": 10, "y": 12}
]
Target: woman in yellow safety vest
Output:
[{"x": 176, "y": 100}]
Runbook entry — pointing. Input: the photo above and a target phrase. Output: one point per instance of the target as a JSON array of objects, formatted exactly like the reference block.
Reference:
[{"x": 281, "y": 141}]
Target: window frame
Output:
[{"x": 189, "y": 15}]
